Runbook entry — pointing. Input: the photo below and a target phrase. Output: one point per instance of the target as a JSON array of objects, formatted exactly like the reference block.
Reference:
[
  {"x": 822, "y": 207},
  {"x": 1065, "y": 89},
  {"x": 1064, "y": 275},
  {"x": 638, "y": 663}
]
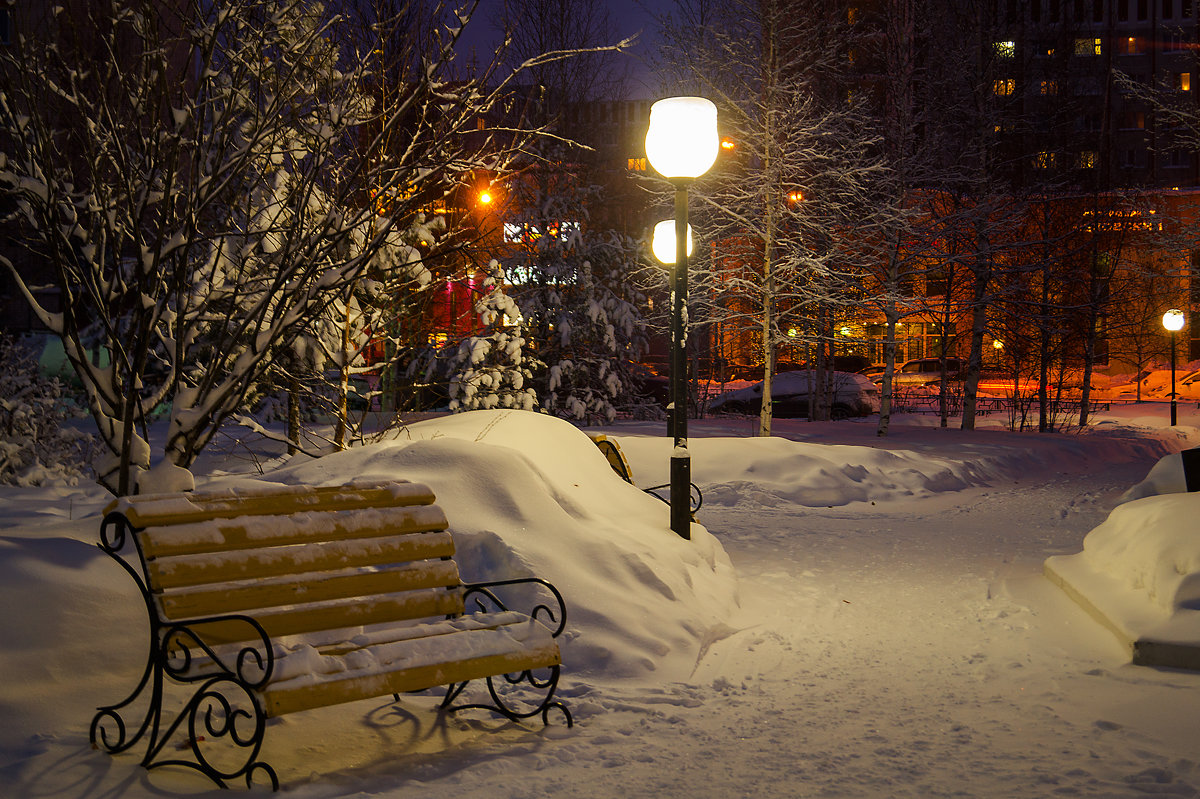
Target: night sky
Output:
[{"x": 629, "y": 16}]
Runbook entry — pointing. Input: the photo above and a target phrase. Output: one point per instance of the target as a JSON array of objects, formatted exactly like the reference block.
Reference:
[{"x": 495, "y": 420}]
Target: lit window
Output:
[
  {"x": 1088, "y": 47},
  {"x": 1004, "y": 87},
  {"x": 1183, "y": 81},
  {"x": 852, "y": 15},
  {"x": 1086, "y": 159},
  {"x": 1048, "y": 88},
  {"x": 1129, "y": 45},
  {"x": 637, "y": 165},
  {"x": 1006, "y": 49},
  {"x": 1044, "y": 160}
]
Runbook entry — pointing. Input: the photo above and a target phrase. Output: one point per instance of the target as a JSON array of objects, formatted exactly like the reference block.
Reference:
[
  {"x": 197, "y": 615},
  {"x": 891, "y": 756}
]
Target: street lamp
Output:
[
  {"x": 681, "y": 144},
  {"x": 1173, "y": 322}
]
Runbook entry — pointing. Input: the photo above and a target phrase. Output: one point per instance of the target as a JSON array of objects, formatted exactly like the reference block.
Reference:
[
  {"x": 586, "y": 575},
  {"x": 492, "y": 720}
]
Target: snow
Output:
[{"x": 853, "y": 617}]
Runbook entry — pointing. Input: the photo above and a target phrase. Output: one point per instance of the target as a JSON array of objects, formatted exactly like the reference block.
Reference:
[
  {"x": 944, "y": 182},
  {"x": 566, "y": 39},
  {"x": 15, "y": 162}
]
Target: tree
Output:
[
  {"x": 490, "y": 369},
  {"x": 788, "y": 210},
  {"x": 202, "y": 181}
]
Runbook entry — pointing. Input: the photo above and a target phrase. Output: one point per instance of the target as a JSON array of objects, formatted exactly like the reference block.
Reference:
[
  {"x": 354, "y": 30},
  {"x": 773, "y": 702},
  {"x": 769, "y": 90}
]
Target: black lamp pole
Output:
[
  {"x": 681, "y": 459},
  {"x": 1174, "y": 417}
]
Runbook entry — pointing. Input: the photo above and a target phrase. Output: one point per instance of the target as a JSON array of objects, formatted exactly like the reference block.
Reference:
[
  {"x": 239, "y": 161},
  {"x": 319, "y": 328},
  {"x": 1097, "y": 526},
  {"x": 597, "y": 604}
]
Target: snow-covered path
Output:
[
  {"x": 902, "y": 645},
  {"x": 914, "y": 653}
]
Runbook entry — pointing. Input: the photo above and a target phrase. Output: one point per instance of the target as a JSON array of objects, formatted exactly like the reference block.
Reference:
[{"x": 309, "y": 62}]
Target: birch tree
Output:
[{"x": 800, "y": 189}]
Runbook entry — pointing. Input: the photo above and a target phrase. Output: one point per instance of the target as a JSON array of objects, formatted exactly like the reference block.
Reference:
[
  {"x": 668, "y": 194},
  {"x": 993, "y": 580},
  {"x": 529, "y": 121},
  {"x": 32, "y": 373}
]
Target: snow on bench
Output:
[{"x": 285, "y": 598}]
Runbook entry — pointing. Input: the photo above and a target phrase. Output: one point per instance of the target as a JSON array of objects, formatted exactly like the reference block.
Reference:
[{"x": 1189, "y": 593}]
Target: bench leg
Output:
[
  {"x": 504, "y": 707},
  {"x": 218, "y": 732}
]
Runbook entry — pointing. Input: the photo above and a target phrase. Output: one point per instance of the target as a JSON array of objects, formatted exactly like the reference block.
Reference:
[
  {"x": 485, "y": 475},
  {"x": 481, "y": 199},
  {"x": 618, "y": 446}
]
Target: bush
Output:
[{"x": 34, "y": 448}]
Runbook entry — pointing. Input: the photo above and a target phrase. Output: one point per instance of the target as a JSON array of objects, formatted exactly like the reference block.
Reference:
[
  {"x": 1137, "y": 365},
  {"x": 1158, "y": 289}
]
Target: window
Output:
[
  {"x": 1183, "y": 81},
  {"x": 1088, "y": 47},
  {"x": 1178, "y": 159},
  {"x": 1004, "y": 87},
  {"x": 1005, "y": 49},
  {"x": 1129, "y": 45},
  {"x": 1131, "y": 158},
  {"x": 1088, "y": 86},
  {"x": 1048, "y": 88},
  {"x": 1045, "y": 160},
  {"x": 1185, "y": 9},
  {"x": 1132, "y": 120},
  {"x": 637, "y": 165},
  {"x": 937, "y": 282},
  {"x": 1168, "y": 8},
  {"x": 1087, "y": 159},
  {"x": 1122, "y": 10},
  {"x": 1097, "y": 10},
  {"x": 5, "y": 26},
  {"x": 1142, "y": 10}
]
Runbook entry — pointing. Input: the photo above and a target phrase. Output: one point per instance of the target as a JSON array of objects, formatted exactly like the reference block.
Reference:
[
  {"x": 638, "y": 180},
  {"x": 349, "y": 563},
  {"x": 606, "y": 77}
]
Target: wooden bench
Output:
[{"x": 286, "y": 598}]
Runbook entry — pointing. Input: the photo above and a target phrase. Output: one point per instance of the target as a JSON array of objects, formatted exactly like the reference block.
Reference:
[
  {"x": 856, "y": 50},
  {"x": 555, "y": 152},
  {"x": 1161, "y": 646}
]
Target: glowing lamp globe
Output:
[
  {"x": 1173, "y": 320},
  {"x": 682, "y": 140},
  {"x": 663, "y": 242}
]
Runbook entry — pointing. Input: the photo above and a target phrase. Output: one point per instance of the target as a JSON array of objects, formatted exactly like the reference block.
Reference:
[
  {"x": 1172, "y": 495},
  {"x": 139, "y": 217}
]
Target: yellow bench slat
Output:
[
  {"x": 412, "y": 605},
  {"x": 249, "y": 564},
  {"x": 415, "y": 665},
  {"x": 165, "y": 509},
  {"x": 246, "y": 532},
  {"x": 319, "y": 587}
]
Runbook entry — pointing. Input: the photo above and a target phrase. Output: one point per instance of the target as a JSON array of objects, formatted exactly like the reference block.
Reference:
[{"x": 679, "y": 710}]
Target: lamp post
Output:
[
  {"x": 1173, "y": 321},
  {"x": 681, "y": 144}
]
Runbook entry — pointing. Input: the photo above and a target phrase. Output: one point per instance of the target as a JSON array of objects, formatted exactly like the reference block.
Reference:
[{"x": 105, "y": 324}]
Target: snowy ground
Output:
[{"x": 858, "y": 618}]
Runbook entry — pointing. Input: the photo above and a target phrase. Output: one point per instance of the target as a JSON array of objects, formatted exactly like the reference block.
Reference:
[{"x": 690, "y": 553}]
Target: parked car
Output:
[
  {"x": 853, "y": 395},
  {"x": 928, "y": 371}
]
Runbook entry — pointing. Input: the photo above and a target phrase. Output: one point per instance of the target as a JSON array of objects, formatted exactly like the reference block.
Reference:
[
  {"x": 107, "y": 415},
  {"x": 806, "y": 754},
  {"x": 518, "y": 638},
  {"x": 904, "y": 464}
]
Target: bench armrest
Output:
[
  {"x": 188, "y": 657},
  {"x": 485, "y": 598}
]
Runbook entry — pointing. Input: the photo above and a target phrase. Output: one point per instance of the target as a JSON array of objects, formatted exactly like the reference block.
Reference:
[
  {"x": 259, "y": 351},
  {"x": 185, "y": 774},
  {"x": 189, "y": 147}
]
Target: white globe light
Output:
[
  {"x": 682, "y": 140},
  {"x": 1173, "y": 320},
  {"x": 663, "y": 242}
]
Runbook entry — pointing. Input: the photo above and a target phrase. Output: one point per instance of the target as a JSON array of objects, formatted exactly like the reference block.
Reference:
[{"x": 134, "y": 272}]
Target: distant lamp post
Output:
[
  {"x": 681, "y": 144},
  {"x": 1173, "y": 322}
]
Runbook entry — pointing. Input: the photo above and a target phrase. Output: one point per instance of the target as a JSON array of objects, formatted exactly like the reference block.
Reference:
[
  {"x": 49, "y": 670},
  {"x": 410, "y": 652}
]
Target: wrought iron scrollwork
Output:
[
  {"x": 222, "y": 708},
  {"x": 695, "y": 494},
  {"x": 485, "y": 599}
]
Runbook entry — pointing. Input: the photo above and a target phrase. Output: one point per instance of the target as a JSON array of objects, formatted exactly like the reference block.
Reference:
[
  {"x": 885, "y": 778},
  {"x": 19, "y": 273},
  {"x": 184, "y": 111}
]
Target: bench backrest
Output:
[{"x": 298, "y": 559}]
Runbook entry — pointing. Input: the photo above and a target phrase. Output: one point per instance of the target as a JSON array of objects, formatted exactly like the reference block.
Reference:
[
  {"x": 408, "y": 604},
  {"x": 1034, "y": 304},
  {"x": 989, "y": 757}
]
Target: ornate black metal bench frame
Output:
[{"x": 223, "y": 684}]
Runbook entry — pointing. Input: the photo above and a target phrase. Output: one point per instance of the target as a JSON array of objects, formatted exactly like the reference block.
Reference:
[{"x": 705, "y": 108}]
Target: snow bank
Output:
[
  {"x": 529, "y": 495},
  {"x": 1139, "y": 571}
]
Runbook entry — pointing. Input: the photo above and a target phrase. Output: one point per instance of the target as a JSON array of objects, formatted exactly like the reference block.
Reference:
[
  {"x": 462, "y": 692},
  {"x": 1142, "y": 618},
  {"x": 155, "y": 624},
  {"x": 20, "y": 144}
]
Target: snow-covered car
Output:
[
  {"x": 853, "y": 395},
  {"x": 928, "y": 371}
]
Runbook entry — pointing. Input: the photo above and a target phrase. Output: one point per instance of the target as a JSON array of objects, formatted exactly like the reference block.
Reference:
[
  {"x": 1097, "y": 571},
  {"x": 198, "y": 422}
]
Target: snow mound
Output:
[
  {"x": 1165, "y": 477},
  {"x": 529, "y": 495},
  {"x": 775, "y": 471},
  {"x": 1149, "y": 546}
]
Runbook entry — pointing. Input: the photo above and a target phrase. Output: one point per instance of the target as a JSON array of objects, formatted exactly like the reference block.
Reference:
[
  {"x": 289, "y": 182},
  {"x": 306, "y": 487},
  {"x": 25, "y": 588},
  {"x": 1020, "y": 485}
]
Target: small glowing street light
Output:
[
  {"x": 662, "y": 244},
  {"x": 681, "y": 144},
  {"x": 1173, "y": 321}
]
